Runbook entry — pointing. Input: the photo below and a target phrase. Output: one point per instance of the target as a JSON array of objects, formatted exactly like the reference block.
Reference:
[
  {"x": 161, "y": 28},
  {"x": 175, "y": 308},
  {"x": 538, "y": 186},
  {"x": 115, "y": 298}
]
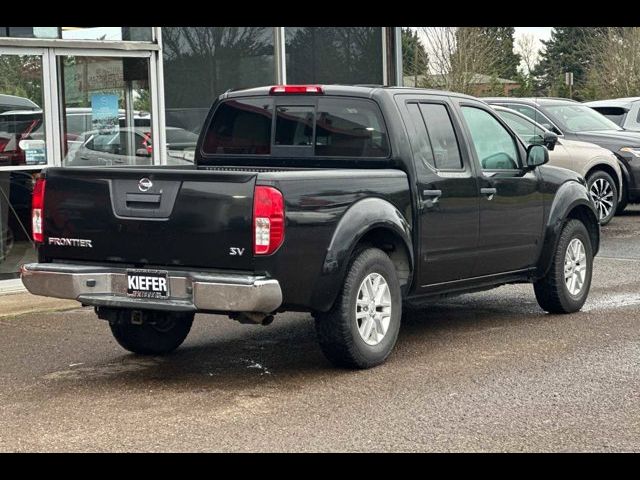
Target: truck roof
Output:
[{"x": 366, "y": 91}]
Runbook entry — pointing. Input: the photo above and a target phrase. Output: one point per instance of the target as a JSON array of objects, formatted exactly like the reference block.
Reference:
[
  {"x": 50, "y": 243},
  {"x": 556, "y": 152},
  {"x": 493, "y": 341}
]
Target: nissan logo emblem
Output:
[{"x": 144, "y": 184}]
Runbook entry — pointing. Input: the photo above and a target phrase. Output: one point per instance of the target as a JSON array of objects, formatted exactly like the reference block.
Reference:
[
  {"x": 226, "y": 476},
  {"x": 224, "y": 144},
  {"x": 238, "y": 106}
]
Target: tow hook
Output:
[
  {"x": 252, "y": 318},
  {"x": 136, "y": 317}
]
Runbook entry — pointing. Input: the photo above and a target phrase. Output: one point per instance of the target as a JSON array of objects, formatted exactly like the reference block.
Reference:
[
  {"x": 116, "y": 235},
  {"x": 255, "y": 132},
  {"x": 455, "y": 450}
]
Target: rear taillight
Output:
[
  {"x": 296, "y": 89},
  {"x": 37, "y": 210},
  {"x": 268, "y": 220}
]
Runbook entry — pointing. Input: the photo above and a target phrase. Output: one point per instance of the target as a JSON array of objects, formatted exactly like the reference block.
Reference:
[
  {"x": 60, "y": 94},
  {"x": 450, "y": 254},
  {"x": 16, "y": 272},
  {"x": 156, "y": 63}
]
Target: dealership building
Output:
[{"x": 95, "y": 96}]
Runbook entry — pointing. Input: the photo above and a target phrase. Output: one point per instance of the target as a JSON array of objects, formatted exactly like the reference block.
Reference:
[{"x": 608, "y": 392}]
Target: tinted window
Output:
[
  {"x": 420, "y": 139},
  {"x": 240, "y": 127},
  {"x": 615, "y": 114},
  {"x": 294, "y": 125},
  {"x": 345, "y": 55},
  {"x": 350, "y": 128},
  {"x": 494, "y": 146},
  {"x": 443, "y": 138}
]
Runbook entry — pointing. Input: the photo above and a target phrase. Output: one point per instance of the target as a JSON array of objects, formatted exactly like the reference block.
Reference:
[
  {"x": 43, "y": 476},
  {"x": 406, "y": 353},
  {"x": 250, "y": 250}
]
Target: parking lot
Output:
[{"x": 480, "y": 372}]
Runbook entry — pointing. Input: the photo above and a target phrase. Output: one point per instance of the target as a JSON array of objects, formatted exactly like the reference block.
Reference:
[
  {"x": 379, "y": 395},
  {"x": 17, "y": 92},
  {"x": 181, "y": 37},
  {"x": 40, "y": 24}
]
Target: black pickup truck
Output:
[{"x": 349, "y": 202}]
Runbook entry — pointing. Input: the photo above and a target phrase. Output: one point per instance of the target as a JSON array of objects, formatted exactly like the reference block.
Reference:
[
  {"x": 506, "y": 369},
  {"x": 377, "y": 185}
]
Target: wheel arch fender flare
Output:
[
  {"x": 570, "y": 201},
  {"x": 362, "y": 218}
]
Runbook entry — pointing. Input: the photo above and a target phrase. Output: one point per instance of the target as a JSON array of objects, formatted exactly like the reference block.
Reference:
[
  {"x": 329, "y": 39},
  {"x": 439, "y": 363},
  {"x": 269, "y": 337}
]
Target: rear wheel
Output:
[
  {"x": 566, "y": 286},
  {"x": 158, "y": 333},
  {"x": 362, "y": 327},
  {"x": 604, "y": 194}
]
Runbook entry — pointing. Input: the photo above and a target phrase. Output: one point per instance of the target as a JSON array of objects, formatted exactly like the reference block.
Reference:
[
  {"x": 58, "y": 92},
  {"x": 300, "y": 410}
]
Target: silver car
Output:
[{"x": 597, "y": 165}]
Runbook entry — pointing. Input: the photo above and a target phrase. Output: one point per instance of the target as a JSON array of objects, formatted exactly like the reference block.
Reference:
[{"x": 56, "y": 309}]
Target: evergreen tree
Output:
[
  {"x": 415, "y": 60},
  {"x": 507, "y": 61},
  {"x": 570, "y": 49}
]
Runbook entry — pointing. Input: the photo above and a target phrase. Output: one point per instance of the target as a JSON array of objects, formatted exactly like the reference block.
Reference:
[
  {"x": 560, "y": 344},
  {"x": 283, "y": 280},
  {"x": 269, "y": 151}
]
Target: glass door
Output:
[
  {"x": 105, "y": 108},
  {"x": 24, "y": 140}
]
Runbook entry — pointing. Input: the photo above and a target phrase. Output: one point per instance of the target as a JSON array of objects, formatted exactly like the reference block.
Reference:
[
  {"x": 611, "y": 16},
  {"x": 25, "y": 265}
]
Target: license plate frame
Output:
[{"x": 151, "y": 284}]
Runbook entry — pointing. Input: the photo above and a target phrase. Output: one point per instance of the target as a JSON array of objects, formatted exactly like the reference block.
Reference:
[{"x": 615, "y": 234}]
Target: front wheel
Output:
[
  {"x": 566, "y": 286},
  {"x": 158, "y": 333},
  {"x": 604, "y": 194},
  {"x": 362, "y": 327}
]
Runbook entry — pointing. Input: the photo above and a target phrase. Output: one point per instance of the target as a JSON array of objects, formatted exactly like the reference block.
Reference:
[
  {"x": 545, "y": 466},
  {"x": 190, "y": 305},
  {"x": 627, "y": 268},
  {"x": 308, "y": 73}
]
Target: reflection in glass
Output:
[
  {"x": 16, "y": 247},
  {"x": 200, "y": 63},
  {"x": 344, "y": 55},
  {"x": 22, "y": 129},
  {"x": 106, "y": 107}
]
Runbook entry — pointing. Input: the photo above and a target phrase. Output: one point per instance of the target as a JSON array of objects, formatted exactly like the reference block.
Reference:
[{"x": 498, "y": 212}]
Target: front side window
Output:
[
  {"x": 615, "y": 114},
  {"x": 495, "y": 147}
]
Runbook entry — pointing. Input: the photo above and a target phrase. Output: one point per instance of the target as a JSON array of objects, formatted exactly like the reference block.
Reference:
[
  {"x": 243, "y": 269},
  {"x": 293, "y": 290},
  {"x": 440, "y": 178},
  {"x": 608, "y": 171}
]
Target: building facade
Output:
[{"x": 97, "y": 96}]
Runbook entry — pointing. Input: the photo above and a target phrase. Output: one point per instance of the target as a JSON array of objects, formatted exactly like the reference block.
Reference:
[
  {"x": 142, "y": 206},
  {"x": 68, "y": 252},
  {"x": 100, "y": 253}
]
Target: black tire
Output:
[
  {"x": 603, "y": 178},
  {"x": 337, "y": 329},
  {"x": 551, "y": 291},
  {"x": 159, "y": 334}
]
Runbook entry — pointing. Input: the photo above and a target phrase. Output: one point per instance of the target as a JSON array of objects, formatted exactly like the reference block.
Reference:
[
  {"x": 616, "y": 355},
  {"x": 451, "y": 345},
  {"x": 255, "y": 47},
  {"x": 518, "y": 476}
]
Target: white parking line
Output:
[{"x": 612, "y": 301}]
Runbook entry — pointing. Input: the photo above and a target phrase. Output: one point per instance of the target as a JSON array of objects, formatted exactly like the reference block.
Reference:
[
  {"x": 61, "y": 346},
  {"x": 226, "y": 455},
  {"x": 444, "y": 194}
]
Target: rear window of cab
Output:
[{"x": 324, "y": 127}]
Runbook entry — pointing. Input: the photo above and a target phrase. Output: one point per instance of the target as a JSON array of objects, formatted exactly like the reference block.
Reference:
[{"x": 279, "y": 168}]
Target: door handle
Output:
[
  {"x": 434, "y": 196},
  {"x": 489, "y": 192}
]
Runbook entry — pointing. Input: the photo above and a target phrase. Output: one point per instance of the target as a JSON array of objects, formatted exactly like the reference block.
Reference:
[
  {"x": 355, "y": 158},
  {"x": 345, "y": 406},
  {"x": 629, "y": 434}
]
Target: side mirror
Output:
[
  {"x": 537, "y": 155},
  {"x": 549, "y": 140}
]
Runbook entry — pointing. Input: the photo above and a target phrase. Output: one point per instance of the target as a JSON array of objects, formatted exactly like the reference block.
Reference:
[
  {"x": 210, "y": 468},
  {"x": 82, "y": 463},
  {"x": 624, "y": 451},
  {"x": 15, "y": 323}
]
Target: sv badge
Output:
[{"x": 236, "y": 251}]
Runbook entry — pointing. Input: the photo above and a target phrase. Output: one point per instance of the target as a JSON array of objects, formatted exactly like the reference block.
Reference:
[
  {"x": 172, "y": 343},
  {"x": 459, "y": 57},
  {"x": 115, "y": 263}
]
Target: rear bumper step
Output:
[{"x": 189, "y": 291}]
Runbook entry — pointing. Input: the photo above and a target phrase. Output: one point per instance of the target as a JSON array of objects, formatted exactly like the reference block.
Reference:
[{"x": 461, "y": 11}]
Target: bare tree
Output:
[
  {"x": 457, "y": 55},
  {"x": 615, "y": 71},
  {"x": 526, "y": 48}
]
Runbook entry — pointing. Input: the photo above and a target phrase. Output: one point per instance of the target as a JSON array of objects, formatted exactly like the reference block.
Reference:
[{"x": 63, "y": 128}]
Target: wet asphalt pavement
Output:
[{"x": 480, "y": 372}]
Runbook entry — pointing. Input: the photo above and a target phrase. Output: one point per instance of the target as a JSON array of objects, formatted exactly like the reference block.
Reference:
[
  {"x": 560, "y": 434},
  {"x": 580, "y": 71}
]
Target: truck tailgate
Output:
[{"x": 152, "y": 216}]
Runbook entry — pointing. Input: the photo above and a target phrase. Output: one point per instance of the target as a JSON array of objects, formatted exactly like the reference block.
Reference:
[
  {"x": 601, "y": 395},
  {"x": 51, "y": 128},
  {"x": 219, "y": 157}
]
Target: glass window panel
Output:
[
  {"x": 443, "y": 137},
  {"x": 105, "y": 106},
  {"x": 22, "y": 128},
  {"x": 347, "y": 55},
  {"x": 210, "y": 60},
  {"x": 420, "y": 138},
  {"x": 241, "y": 127},
  {"x": 294, "y": 125},
  {"x": 495, "y": 147},
  {"x": 140, "y": 34},
  {"x": 350, "y": 128},
  {"x": 15, "y": 222}
]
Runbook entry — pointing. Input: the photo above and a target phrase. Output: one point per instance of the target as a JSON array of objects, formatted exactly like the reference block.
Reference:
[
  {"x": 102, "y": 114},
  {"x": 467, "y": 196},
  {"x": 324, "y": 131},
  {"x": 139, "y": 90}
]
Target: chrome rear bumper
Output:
[{"x": 189, "y": 291}]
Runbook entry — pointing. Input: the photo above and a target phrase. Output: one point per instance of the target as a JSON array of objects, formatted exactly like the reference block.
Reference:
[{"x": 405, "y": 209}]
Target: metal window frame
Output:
[{"x": 47, "y": 106}]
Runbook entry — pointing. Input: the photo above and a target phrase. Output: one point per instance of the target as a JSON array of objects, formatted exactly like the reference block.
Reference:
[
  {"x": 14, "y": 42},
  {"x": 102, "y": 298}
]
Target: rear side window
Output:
[
  {"x": 241, "y": 127},
  {"x": 349, "y": 128},
  {"x": 420, "y": 139},
  {"x": 331, "y": 127},
  {"x": 443, "y": 138},
  {"x": 615, "y": 114}
]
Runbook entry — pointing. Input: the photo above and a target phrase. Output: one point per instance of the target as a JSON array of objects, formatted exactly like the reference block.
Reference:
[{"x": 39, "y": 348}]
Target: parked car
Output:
[
  {"x": 130, "y": 146},
  {"x": 13, "y": 102},
  {"x": 576, "y": 121},
  {"x": 345, "y": 202},
  {"x": 624, "y": 112},
  {"x": 598, "y": 165},
  {"x": 18, "y": 125}
]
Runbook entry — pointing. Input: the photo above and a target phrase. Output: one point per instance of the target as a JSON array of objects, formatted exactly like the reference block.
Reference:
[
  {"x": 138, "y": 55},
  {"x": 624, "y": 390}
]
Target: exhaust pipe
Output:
[{"x": 252, "y": 318}]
